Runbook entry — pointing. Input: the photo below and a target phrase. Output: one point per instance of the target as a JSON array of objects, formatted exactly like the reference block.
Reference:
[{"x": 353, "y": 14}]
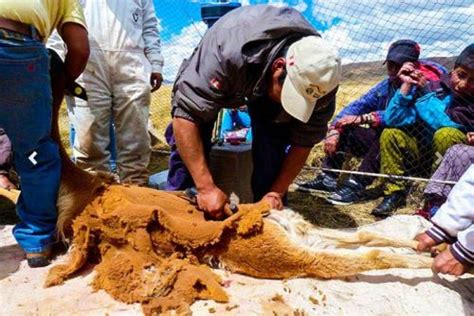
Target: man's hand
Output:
[
  {"x": 470, "y": 138},
  {"x": 349, "y": 120},
  {"x": 425, "y": 242},
  {"x": 274, "y": 199},
  {"x": 210, "y": 198},
  {"x": 331, "y": 142},
  {"x": 212, "y": 201},
  {"x": 155, "y": 80},
  {"x": 5, "y": 183},
  {"x": 446, "y": 263}
]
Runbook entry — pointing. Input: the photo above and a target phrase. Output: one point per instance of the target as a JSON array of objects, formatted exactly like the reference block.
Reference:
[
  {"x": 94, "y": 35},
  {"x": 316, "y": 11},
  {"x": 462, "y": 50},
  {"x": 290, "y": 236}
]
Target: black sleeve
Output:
[{"x": 310, "y": 133}]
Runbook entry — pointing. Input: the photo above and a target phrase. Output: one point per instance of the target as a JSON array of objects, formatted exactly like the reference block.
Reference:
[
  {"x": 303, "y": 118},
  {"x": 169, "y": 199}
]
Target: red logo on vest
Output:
[{"x": 216, "y": 83}]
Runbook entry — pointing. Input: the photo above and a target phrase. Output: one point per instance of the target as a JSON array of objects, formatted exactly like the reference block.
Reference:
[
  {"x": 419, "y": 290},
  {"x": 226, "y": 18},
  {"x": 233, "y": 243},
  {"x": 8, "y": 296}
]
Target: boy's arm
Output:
[
  {"x": 399, "y": 111},
  {"x": 75, "y": 37},
  {"x": 463, "y": 249}
]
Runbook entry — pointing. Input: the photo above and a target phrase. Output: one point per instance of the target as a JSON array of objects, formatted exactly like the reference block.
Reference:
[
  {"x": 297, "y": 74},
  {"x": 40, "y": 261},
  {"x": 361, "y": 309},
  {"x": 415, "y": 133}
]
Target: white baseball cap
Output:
[{"x": 313, "y": 70}]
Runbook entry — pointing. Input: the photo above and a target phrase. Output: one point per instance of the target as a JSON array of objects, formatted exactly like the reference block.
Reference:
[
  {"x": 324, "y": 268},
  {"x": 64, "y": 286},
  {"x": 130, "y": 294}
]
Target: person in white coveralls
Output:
[{"x": 124, "y": 67}]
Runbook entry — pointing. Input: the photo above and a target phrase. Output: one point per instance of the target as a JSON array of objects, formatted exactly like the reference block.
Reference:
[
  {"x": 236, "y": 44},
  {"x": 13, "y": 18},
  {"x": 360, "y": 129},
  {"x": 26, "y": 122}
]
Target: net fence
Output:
[{"x": 362, "y": 31}]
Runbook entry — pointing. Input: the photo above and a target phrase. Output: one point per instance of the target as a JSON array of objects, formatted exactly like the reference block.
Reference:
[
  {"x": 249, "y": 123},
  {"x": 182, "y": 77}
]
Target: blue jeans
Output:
[{"x": 25, "y": 114}]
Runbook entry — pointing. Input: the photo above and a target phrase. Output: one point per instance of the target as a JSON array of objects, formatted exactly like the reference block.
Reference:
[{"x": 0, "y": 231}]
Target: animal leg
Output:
[
  {"x": 336, "y": 265},
  {"x": 365, "y": 238},
  {"x": 77, "y": 257},
  {"x": 271, "y": 254}
]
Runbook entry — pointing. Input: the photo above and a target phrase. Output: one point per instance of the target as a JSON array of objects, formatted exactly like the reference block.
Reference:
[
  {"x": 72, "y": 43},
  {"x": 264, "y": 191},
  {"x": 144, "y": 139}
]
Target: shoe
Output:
[
  {"x": 320, "y": 183},
  {"x": 427, "y": 211},
  {"x": 389, "y": 204},
  {"x": 39, "y": 259},
  {"x": 423, "y": 212},
  {"x": 350, "y": 192},
  {"x": 430, "y": 206}
]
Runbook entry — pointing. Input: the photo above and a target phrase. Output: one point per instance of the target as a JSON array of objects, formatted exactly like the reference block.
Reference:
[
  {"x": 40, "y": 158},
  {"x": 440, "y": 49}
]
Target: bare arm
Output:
[
  {"x": 210, "y": 198},
  {"x": 75, "y": 37}
]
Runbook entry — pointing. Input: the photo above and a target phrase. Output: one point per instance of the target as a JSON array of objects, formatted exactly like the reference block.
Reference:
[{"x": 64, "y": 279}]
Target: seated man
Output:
[
  {"x": 438, "y": 121},
  {"x": 5, "y": 161},
  {"x": 346, "y": 134},
  {"x": 454, "y": 224}
]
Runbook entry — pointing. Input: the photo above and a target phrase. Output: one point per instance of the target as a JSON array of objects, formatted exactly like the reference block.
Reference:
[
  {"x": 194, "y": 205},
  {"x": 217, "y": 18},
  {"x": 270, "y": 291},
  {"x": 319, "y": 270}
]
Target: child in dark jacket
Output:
[{"x": 446, "y": 116}]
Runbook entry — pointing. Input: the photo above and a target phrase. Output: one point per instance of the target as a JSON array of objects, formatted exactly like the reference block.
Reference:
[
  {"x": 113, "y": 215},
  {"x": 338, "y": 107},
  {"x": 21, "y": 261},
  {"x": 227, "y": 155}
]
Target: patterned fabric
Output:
[
  {"x": 456, "y": 161},
  {"x": 401, "y": 153}
]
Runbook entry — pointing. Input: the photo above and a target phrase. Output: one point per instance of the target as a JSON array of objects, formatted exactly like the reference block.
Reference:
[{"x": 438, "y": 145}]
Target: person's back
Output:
[
  {"x": 248, "y": 56},
  {"x": 26, "y": 105},
  {"x": 273, "y": 60}
]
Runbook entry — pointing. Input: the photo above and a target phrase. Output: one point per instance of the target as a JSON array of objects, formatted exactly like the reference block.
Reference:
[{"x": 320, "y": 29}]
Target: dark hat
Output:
[
  {"x": 466, "y": 58},
  {"x": 402, "y": 51}
]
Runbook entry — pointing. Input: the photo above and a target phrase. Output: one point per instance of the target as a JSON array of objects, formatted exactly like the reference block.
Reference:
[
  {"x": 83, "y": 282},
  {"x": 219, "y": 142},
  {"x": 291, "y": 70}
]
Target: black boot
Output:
[{"x": 389, "y": 204}]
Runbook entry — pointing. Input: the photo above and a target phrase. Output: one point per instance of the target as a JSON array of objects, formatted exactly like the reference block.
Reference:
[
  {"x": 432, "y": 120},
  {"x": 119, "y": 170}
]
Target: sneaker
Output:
[
  {"x": 320, "y": 183},
  {"x": 39, "y": 259},
  {"x": 350, "y": 192},
  {"x": 389, "y": 204}
]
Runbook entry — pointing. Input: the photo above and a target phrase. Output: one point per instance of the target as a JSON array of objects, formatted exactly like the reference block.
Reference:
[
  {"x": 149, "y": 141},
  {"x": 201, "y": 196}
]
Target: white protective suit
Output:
[{"x": 125, "y": 49}]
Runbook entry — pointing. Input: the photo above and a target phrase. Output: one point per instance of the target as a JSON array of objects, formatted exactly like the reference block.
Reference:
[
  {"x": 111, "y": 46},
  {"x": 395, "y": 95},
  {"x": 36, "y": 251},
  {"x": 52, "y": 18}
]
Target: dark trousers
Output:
[
  {"x": 269, "y": 147},
  {"x": 362, "y": 143},
  {"x": 179, "y": 177}
]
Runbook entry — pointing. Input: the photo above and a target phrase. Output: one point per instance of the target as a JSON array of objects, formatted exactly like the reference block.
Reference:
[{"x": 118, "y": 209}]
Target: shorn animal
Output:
[{"x": 156, "y": 248}]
